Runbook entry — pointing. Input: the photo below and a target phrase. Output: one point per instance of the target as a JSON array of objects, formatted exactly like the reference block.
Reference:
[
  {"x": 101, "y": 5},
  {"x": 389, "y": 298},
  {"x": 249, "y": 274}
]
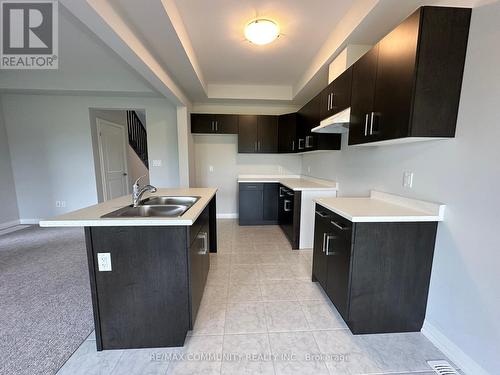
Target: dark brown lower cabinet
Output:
[
  {"x": 376, "y": 274},
  {"x": 258, "y": 203},
  {"x": 289, "y": 214},
  {"x": 151, "y": 296}
]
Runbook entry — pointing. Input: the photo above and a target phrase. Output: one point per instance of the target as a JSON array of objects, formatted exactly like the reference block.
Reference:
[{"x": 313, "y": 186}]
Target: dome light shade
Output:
[{"x": 262, "y": 31}]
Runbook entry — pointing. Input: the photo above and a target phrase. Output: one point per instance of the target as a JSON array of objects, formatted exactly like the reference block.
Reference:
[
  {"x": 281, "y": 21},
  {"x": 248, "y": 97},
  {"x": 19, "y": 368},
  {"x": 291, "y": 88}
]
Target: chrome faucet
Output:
[{"x": 138, "y": 191}]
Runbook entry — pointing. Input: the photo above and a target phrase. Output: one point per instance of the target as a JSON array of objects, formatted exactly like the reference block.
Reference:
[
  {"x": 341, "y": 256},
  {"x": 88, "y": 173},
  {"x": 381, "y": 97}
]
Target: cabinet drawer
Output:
[
  {"x": 338, "y": 224},
  {"x": 251, "y": 186}
]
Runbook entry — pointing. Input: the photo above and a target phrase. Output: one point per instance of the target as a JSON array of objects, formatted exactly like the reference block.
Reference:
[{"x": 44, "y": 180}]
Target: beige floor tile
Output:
[
  {"x": 244, "y": 293},
  {"x": 322, "y": 315},
  {"x": 285, "y": 316},
  {"x": 278, "y": 290},
  {"x": 297, "y": 353},
  {"x": 245, "y": 318},
  {"x": 247, "y": 354}
]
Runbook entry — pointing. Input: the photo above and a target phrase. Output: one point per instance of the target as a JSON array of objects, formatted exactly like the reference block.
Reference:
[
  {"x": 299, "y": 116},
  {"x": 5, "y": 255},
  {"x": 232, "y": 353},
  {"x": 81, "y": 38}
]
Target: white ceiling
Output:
[
  {"x": 215, "y": 28},
  {"x": 193, "y": 51}
]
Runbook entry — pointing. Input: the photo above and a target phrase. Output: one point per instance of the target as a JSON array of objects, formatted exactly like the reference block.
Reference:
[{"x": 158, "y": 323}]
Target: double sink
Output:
[{"x": 166, "y": 206}]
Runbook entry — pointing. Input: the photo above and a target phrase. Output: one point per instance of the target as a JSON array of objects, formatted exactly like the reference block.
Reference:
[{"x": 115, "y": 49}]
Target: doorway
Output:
[
  {"x": 120, "y": 150},
  {"x": 112, "y": 142}
]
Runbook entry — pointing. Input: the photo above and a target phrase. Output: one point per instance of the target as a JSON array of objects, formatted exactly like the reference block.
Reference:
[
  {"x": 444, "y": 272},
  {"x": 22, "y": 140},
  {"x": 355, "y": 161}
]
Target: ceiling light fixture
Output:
[{"x": 262, "y": 31}]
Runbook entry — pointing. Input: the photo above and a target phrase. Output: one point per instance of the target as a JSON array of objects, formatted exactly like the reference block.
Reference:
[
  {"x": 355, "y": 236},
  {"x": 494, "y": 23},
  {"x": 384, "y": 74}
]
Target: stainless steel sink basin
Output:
[
  {"x": 171, "y": 210},
  {"x": 169, "y": 200}
]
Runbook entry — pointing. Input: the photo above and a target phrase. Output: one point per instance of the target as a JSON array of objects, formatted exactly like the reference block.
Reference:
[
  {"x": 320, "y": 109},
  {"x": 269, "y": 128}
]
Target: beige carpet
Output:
[{"x": 45, "y": 306}]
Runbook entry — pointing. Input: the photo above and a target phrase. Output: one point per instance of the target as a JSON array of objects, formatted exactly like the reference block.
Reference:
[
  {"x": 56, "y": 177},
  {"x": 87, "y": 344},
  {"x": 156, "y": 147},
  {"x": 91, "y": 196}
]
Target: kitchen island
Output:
[{"x": 147, "y": 274}]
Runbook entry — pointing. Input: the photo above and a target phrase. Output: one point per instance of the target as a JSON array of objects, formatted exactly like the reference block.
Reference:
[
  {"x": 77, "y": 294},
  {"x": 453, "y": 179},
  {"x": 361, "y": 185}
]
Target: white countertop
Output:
[
  {"x": 294, "y": 182},
  {"x": 91, "y": 216},
  {"x": 384, "y": 207}
]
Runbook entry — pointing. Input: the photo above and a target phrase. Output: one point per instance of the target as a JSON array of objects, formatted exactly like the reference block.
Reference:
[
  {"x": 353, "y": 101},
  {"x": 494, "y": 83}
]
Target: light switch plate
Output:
[{"x": 104, "y": 262}]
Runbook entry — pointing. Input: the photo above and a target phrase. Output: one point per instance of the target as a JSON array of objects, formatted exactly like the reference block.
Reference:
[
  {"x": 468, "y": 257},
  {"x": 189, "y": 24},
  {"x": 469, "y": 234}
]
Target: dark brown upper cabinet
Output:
[
  {"x": 309, "y": 117},
  {"x": 287, "y": 133},
  {"x": 337, "y": 95},
  {"x": 409, "y": 84},
  {"x": 258, "y": 134},
  {"x": 214, "y": 123}
]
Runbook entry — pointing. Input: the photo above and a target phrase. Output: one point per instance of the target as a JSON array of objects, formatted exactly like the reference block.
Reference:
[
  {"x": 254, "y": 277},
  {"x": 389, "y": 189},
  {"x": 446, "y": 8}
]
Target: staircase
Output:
[{"x": 137, "y": 137}]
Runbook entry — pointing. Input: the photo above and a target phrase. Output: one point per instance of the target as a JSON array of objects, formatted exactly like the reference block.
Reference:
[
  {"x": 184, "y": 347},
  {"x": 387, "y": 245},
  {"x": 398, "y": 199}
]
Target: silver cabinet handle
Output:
[
  {"x": 331, "y": 101},
  {"x": 366, "y": 125},
  {"x": 321, "y": 214},
  {"x": 301, "y": 145},
  {"x": 204, "y": 237},
  {"x": 324, "y": 241},
  {"x": 338, "y": 225},
  {"x": 293, "y": 145},
  {"x": 328, "y": 104},
  {"x": 281, "y": 192},
  {"x": 330, "y": 237},
  {"x": 309, "y": 141},
  {"x": 372, "y": 116},
  {"x": 285, "y": 207}
]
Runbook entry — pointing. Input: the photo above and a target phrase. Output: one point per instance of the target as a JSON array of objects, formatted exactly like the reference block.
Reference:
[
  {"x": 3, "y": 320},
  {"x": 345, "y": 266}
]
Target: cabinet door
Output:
[
  {"x": 320, "y": 266},
  {"x": 247, "y": 133},
  {"x": 287, "y": 133},
  {"x": 226, "y": 124},
  {"x": 267, "y": 141},
  {"x": 364, "y": 75},
  {"x": 309, "y": 118},
  {"x": 395, "y": 80},
  {"x": 270, "y": 208},
  {"x": 326, "y": 106},
  {"x": 202, "y": 123},
  {"x": 338, "y": 256},
  {"x": 251, "y": 204},
  {"x": 342, "y": 92}
]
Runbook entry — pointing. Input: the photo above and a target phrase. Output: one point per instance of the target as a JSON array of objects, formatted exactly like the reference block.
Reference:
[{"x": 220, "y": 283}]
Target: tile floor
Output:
[{"x": 261, "y": 314}]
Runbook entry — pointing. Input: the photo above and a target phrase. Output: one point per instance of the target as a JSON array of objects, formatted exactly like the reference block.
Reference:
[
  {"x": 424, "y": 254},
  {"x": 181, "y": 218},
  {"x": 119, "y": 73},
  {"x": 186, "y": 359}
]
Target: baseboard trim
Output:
[
  {"x": 451, "y": 350},
  {"x": 9, "y": 224},
  {"x": 29, "y": 221},
  {"x": 227, "y": 216}
]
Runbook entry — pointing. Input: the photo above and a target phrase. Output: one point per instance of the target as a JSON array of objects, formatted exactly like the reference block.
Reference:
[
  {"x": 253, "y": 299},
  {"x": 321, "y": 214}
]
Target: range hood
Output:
[{"x": 338, "y": 123}]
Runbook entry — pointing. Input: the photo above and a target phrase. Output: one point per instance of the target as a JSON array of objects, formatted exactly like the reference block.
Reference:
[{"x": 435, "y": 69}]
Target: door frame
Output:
[{"x": 99, "y": 122}]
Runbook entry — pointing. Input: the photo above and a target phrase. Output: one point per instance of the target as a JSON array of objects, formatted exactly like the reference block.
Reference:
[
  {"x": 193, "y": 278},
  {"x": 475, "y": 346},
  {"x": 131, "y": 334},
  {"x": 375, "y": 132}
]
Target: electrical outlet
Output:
[
  {"x": 408, "y": 179},
  {"x": 104, "y": 262},
  {"x": 211, "y": 168},
  {"x": 60, "y": 204},
  {"x": 156, "y": 163}
]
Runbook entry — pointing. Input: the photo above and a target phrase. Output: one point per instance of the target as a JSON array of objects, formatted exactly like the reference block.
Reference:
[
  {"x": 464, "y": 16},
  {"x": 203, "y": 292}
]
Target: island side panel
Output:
[
  {"x": 93, "y": 287},
  {"x": 391, "y": 270},
  {"x": 213, "y": 224},
  {"x": 143, "y": 302}
]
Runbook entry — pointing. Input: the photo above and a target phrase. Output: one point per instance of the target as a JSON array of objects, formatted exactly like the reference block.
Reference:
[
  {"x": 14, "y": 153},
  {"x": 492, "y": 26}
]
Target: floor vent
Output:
[{"x": 442, "y": 368}]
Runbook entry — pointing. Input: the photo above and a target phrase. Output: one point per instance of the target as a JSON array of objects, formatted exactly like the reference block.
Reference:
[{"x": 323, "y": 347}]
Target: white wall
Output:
[
  {"x": 221, "y": 152},
  {"x": 51, "y": 148},
  {"x": 8, "y": 202},
  {"x": 464, "y": 302}
]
